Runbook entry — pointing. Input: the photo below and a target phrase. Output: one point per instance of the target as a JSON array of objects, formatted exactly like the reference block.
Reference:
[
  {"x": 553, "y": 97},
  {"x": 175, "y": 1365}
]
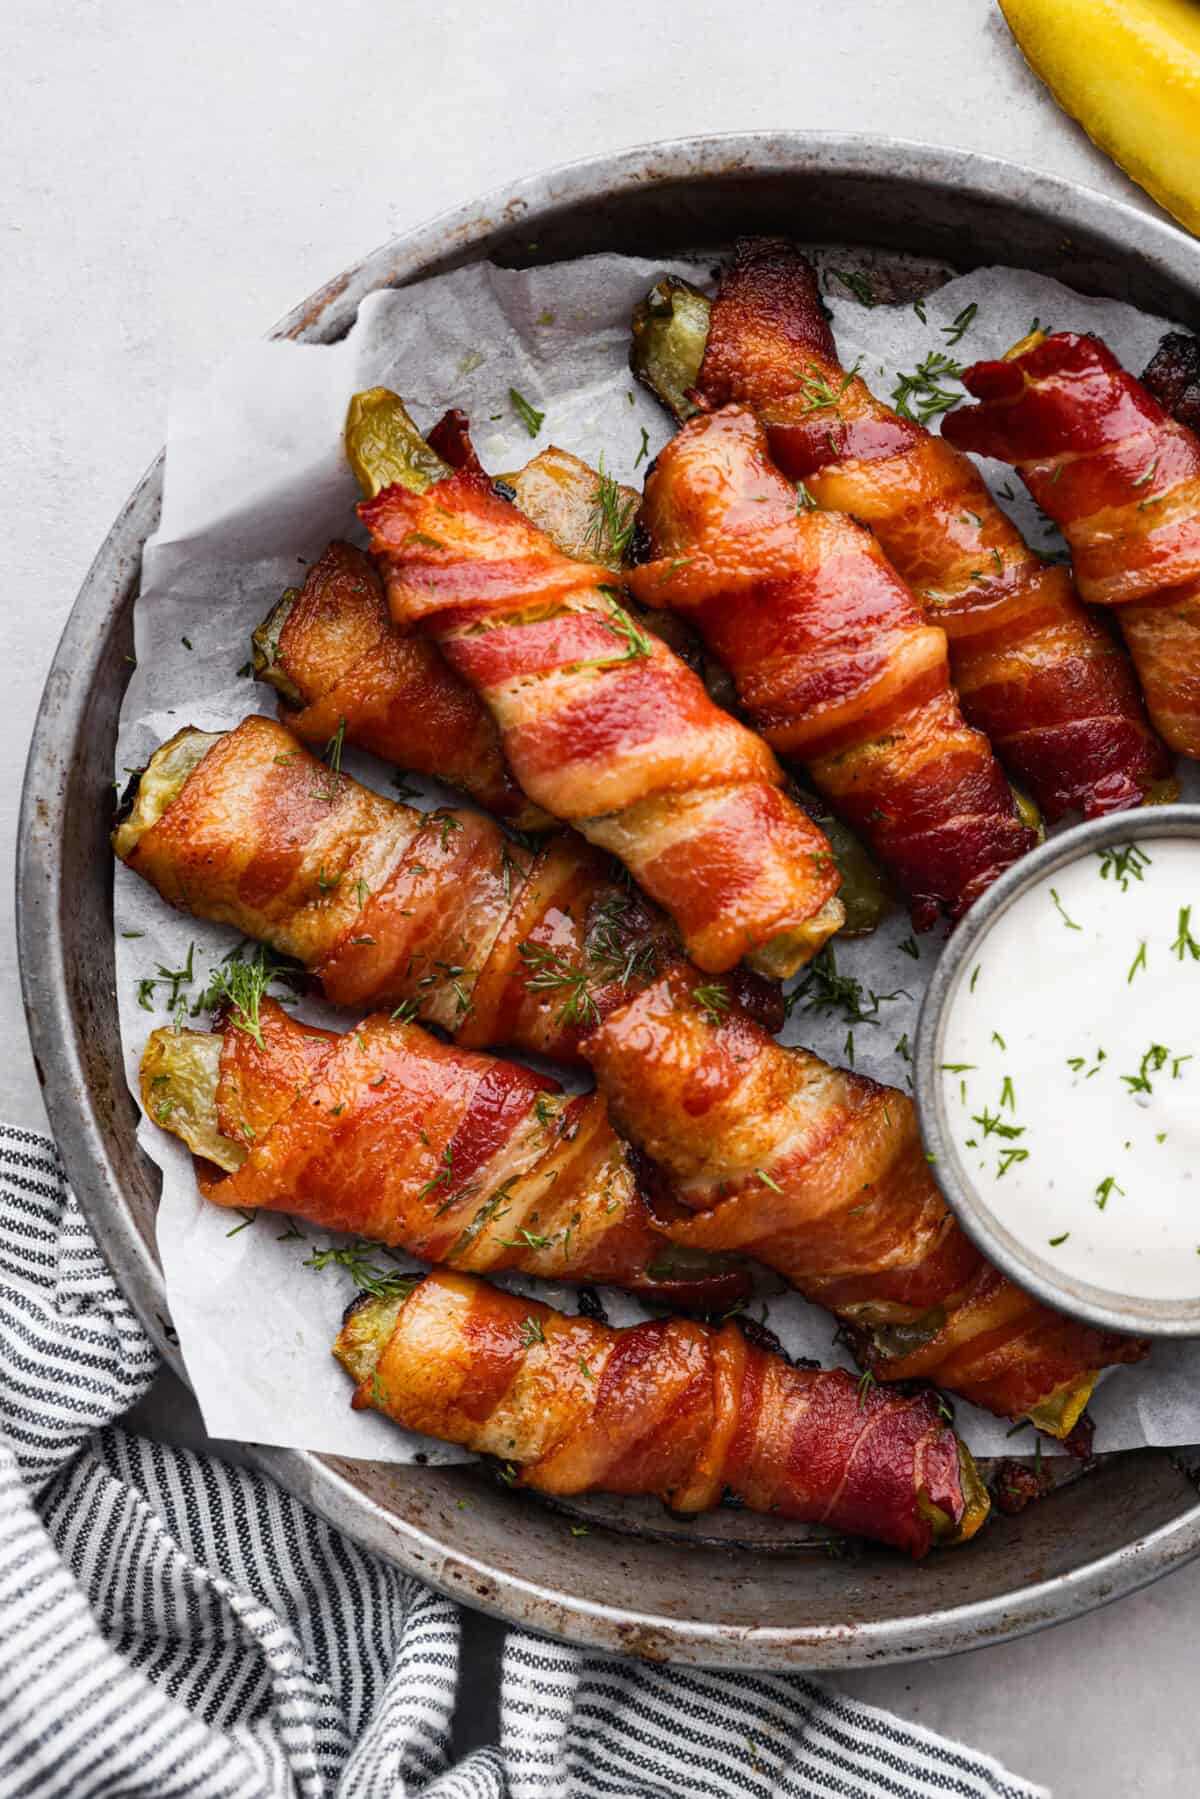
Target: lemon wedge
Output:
[{"x": 1129, "y": 71}]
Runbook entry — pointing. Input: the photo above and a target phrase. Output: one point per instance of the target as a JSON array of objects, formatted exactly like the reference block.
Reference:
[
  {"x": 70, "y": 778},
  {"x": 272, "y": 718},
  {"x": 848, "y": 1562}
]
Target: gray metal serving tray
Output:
[{"x": 675, "y": 1593}]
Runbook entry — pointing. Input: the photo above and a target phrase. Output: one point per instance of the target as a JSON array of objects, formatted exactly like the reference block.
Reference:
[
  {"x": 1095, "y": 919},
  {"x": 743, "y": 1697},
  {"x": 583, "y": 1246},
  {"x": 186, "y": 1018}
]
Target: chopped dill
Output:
[
  {"x": 857, "y": 284},
  {"x": 1185, "y": 944},
  {"x": 529, "y": 416},
  {"x": 332, "y": 758},
  {"x": 713, "y": 1000},
  {"x": 368, "y": 1274},
  {"x": 961, "y": 323},
  {"x": 1123, "y": 865},
  {"x": 1062, "y": 912},
  {"x": 923, "y": 391},
  {"x": 610, "y": 526},
  {"x": 547, "y": 971}
]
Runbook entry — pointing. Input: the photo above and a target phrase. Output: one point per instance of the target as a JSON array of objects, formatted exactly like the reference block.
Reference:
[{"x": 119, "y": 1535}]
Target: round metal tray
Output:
[{"x": 733, "y": 1601}]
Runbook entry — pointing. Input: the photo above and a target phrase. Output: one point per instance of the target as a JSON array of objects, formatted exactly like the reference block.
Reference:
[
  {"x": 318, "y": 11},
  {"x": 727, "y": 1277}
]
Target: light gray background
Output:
[{"x": 174, "y": 177}]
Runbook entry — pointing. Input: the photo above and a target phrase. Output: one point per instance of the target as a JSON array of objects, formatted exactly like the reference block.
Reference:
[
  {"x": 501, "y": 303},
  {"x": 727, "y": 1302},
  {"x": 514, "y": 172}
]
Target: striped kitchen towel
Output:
[{"x": 171, "y": 1625}]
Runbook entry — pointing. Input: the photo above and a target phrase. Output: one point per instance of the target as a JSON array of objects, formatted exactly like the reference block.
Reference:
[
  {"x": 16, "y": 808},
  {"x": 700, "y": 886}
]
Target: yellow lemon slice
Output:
[{"x": 1129, "y": 71}]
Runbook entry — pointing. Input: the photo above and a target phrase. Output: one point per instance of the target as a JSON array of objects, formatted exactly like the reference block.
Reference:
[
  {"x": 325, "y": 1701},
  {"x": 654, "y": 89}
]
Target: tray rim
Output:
[{"x": 459, "y": 235}]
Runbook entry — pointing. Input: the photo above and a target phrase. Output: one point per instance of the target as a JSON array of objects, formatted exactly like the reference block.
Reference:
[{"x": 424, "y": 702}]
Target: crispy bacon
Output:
[
  {"x": 671, "y": 1408},
  {"x": 340, "y": 662},
  {"x": 455, "y": 1157},
  {"x": 1122, "y": 479},
  {"x": 1034, "y": 671},
  {"x": 832, "y": 659},
  {"x": 1172, "y": 376},
  {"x": 385, "y": 904},
  {"x": 606, "y": 728},
  {"x": 820, "y": 1173}
]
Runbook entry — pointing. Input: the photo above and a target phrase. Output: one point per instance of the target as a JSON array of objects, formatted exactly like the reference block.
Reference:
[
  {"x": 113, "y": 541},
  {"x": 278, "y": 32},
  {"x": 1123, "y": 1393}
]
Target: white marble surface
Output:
[{"x": 175, "y": 177}]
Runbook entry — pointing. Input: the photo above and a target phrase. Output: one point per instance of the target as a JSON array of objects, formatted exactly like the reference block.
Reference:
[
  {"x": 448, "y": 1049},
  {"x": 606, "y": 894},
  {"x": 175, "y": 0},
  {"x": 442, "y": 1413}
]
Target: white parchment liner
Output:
[{"x": 255, "y": 487}]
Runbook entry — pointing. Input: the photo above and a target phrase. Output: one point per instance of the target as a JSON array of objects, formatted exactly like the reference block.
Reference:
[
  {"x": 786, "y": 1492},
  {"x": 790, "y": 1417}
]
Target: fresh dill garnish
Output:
[
  {"x": 918, "y": 307},
  {"x": 241, "y": 983},
  {"x": 615, "y": 949},
  {"x": 1007, "y": 1094},
  {"x": 957, "y": 1067},
  {"x": 1185, "y": 944},
  {"x": 368, "y": 1274},
  {"x": 544, "y": 1110},
  {"x": 857, "y": 283},
  {"x": 325, "y": 882},
  {"x": 910, "y": 947},
  {"x": 1077, "y": 1064},
  {"x": 1105, "y": 1189},
  {"x": 247, "y": 1217},
  {"x": 1055, "y": 1241},
  {"x": 902, "y": 1049},
  {"x": 532, "y": 1332},
  {"x": 332, "y": 758},
  {"x": 1123, "y": 865},
  {"x": 998, "y": 1040},
  {"x": 406, "y": 1011},
  {"x": 526, "y": 1239},
  {"x": 1139, "y": 961},
  {"x": 1007, "y": 1158},
  {"x": 610, "y": 526},
  {"x": 713, "y": 1001},
  {"x": 173, "y": 978},
  {"x": 975, "y": 972},
  {"x": 804, "y": 499},
  {"x": 587, "y": 1375},
  {"x": 547, "y": 971},
  {"x": 644, "y": 452},
  {"x": 1062, "y": 912},
  {"x": 622, "y": 625},
  {"x": 766, "y": 1180},
  {"x": 867, "y": 1380},
  {"x": 529, "y": 415},
  {"x": 824, "y": 989},
  {"x": 992, "y": 1125},
  {"x": 1147, "y": 473},
  {"x": 1153, "y": 1062},
  {"x": 923, "y": 391},
  {"x": 816, "y": 392},
  {"x": 961, "y": 324}
]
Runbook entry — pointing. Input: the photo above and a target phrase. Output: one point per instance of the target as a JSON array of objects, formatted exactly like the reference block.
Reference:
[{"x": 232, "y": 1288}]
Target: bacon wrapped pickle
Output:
[
  {"x": 606, "y": 728},
  {"x": 820, "y": 1174},
  {"x": 672, "y": 1408},
  {"x": 1122, "y": 479},
  {"x": 386, "y": 1132},
  {"x": 1034, "y": 670},
  {"x": 386, "y": 905},
  {"x": 338, "y": 661},
  {"x": 833, "y": 661}
]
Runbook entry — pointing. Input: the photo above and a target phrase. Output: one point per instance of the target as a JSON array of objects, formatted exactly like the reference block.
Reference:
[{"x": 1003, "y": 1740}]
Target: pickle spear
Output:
[{"x": 670, "y": 330}]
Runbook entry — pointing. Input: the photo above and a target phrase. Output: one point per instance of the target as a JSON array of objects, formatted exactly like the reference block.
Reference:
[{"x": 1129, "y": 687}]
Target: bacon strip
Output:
[
  {"x": 455, "y": 1157},
  {"x": 340, "y": 662},
  {"x": 1122, "y": 479},
  {"x": 671, "y": 1408},
  {"x": 606, "y": 728},
  {"x": 385, "y": 904},
  {"x": 820, "y": 1173},
  {"x": 1034, "y": 671},
  {"x": 832, "y": 659}
]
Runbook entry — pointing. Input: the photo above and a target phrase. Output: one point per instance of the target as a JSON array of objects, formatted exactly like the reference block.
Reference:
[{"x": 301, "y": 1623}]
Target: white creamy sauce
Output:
[{"x": 1071, "y": 1069}]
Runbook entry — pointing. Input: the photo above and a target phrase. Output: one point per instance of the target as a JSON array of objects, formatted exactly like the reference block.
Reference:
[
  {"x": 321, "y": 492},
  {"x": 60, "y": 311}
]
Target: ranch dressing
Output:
[{"x": 1071, "y": 1069}]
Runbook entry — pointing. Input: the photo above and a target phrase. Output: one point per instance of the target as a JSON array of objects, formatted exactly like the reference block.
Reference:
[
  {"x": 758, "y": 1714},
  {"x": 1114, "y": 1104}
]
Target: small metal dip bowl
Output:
[{"x": 1105, "y": 1307}]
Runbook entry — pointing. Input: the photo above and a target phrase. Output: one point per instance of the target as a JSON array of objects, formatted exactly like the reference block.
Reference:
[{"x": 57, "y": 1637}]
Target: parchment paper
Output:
[{"x": 256, "y": 485}]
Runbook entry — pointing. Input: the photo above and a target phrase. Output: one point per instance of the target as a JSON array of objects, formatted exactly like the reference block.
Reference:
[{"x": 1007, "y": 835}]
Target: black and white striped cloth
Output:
[{"x": 173, "y": 1626}]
